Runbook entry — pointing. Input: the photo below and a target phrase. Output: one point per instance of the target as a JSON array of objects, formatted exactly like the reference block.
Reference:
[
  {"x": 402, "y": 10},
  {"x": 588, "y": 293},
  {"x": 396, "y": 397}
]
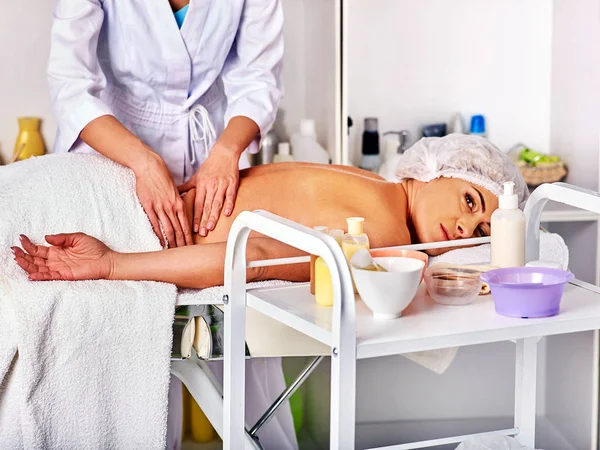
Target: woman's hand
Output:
[
  {"x": 70, "y": 257},
  {"x": 160, "y": 199},
  {"x": 216, "y": 183}
]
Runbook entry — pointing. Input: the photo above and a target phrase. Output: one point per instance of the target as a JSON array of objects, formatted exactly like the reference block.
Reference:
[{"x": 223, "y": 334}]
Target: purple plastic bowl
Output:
[{"x": 527, "y": 291}]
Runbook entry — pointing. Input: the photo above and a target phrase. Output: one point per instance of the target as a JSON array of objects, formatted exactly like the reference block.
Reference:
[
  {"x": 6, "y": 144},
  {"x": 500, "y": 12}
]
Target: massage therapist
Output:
[{"x": 174, "y": 90}]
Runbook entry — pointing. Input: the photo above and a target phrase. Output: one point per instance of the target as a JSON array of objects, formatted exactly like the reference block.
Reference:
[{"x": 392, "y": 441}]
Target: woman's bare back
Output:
[{"x": 313, "y": 194}]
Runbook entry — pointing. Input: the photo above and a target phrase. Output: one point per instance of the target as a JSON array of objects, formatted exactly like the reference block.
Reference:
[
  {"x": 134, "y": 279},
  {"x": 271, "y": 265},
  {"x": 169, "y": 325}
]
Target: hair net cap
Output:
[{"x": 471, "y": 158}]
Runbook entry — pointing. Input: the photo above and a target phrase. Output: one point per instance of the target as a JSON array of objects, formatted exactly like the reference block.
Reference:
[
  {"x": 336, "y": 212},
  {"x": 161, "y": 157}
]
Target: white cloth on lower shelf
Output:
[
  {"x": 492, "y": 443},
  {"x": 83, "y": 364},
  {"x": 552, "y": 248}
]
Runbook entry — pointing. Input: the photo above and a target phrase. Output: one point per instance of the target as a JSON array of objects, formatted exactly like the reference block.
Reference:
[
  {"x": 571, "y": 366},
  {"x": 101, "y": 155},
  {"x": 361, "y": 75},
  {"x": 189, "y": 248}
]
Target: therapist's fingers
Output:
[
  {"x": 177, "y": 229},
  {"x": 216, "y": 207},
  {"x": 153, "y": 218},
  {"x": 230, "y": 196},
  {"x": 183, "y": 221},
  {"x": 185, "y": 224},
  {"x": 189, "y": 184},
  {"x": 199, "y": 208},
  {"x": 167, "y": 228},
  {"x": 208, "y": 202}
]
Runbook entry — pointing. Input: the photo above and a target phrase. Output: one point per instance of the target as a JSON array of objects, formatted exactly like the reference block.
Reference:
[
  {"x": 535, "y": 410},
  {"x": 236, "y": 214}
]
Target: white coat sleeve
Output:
[
  {"x": 252, "y": 75},
  {"x": 74, "y": 74}
]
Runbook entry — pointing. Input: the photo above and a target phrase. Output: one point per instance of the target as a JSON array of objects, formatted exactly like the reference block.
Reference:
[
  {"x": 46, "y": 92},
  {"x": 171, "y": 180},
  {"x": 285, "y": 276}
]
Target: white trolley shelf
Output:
[{"x": 352, "y": 333}]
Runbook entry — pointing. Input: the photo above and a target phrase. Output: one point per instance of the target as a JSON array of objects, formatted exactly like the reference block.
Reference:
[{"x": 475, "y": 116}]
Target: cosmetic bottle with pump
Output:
[{"x": 508, "y": 230}]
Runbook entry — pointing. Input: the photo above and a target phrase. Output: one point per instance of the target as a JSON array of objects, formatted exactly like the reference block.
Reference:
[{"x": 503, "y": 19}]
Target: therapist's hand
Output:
[
  {"x": 158, "y": 195},
  {"x": 216, "y": 183}
]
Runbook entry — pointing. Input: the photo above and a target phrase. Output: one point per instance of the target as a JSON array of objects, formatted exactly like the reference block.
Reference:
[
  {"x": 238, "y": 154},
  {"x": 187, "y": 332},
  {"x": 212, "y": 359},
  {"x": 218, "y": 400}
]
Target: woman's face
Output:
[{"x": 451, "y": 208}]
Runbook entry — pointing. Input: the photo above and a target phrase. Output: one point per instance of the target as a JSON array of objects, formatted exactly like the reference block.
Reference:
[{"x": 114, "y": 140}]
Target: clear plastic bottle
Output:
[
  {"x": 305, "y": 146},
  {"x": 283, "y": 153},
  {"x": 508, "y": 230},
  {"x": 354, "y": 239}
]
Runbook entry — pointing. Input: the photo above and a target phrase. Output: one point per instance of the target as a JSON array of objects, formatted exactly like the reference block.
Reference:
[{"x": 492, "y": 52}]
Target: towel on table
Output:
[
  {"x": 82, "y": 364},
  {"x": 552, "y": 248}
]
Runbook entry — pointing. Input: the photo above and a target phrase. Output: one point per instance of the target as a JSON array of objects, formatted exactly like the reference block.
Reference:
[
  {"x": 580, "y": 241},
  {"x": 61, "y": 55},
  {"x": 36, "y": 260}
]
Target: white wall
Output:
[
  {"x": 309, "y": 69},
  {"x": 576, "y": 88},
  {"x": 419, "y": 62},
  {"x": 24, "y": 33},
  {"x": 575, "y": 136}
]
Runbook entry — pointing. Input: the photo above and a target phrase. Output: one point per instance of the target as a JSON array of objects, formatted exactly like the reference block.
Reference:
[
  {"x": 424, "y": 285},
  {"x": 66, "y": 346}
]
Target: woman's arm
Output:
[
  {"x": 78, "y": 256},
  {"x": 202, "y": 266}
]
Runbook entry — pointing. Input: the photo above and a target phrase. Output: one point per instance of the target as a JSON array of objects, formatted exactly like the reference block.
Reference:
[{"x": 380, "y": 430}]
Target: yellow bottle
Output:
[
  {"x": 195, "y": 424},
  {"x": 313, "y": 259},
  {"x": 29, "y": 142},
  {"x": 323, "y": 285},
  {"x": 354, "y": 239},
  {"x": 201, "y": 428}
]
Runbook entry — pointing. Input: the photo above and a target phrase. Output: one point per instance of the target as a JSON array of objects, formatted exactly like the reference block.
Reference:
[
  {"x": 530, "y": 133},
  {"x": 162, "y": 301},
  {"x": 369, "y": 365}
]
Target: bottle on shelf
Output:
[
  {"x": 354, "y": 239},
  {"x": 371, "y": 159},
  {"x": 29, "y": 141},
  {"x": 478, "y": 125},
  {"x": 305, "y": 146},
  {"x": 283, "y": 153},
  {"x": 508, "y": 230}
]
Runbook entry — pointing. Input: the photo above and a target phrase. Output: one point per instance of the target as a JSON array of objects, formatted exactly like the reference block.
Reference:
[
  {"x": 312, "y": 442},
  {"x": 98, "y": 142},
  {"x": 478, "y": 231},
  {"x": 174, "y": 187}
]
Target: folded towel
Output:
[
  {"x": 552, "y": 248},
  {"x": 93, "y": 361}
]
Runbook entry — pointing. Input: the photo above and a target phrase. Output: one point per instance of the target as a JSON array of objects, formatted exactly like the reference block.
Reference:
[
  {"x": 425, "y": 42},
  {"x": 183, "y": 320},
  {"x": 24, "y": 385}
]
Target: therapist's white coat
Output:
[{"x": 127, "y": 58}]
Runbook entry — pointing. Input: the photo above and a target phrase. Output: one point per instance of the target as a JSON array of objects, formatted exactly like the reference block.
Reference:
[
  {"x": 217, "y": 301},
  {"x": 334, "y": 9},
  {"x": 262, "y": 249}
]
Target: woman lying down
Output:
[{"x": 447, "y": 188}]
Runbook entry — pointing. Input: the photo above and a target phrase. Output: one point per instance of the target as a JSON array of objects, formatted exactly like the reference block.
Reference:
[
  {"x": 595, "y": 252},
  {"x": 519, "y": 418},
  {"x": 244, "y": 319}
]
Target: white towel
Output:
[
  {"x": 93, "y": 361},
  {"x": 552, "y": 248}
]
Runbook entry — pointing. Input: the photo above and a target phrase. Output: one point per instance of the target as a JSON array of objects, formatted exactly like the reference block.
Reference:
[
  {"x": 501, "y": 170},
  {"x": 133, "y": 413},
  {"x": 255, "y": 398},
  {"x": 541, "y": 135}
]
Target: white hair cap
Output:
[{"x": 470, "y": 158}]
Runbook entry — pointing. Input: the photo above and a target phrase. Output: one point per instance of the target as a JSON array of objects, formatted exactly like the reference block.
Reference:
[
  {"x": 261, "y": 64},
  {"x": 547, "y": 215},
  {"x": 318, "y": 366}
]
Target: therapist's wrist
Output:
[
  {"x": 144, "y": 160},
  {"x": 231, "y": 151},
  {"x": 238, "y": 135}
]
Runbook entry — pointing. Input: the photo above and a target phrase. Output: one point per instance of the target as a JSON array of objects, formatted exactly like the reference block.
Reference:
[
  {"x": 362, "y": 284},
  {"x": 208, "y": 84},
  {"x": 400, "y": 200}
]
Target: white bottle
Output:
[
  {"x": 283, "y": 153},
  {"x": 457, "y": 125},
  {"x": 305, "y": 145},
  {"x": 508, "y": 230}
]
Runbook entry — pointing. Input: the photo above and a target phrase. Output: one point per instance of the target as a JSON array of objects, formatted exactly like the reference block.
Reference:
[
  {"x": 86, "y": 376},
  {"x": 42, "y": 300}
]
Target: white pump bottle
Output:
[{"x": 508, "y": 230}]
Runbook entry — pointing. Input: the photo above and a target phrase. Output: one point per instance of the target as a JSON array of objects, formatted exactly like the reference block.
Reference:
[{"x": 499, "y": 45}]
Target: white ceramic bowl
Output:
[{"x": 387, "y": 294}]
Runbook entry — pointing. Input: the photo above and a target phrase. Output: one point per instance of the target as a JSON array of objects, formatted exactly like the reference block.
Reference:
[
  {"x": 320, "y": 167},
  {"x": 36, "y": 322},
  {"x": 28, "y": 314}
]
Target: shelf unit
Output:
[{"x": 352, "y": 333}]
